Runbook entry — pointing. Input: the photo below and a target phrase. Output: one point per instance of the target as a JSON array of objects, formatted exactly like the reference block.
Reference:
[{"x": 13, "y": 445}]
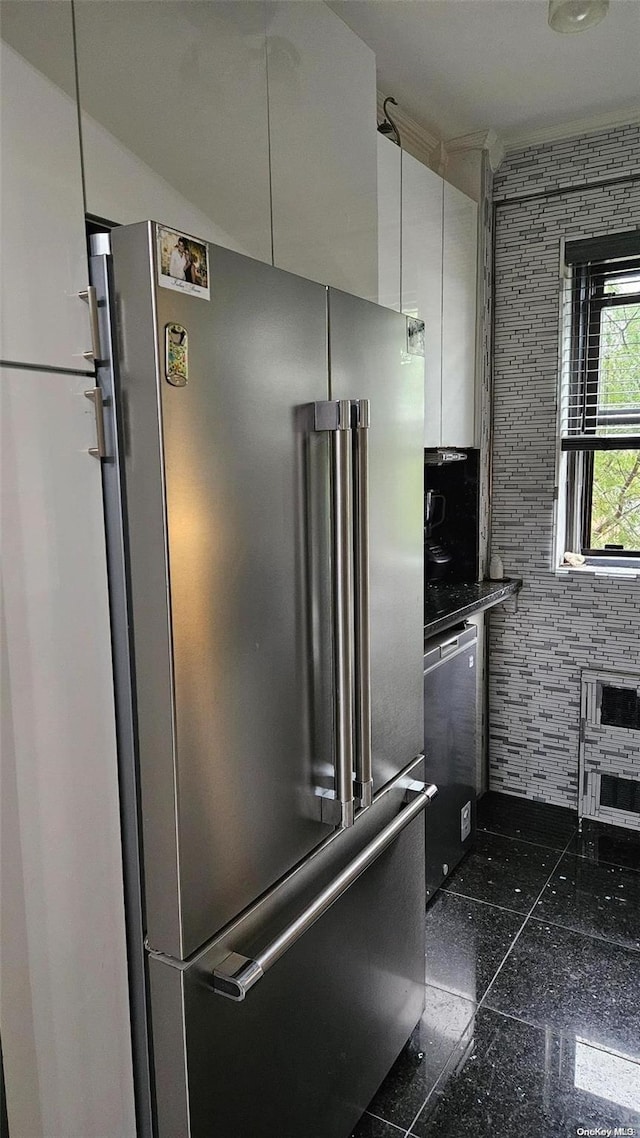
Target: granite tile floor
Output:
[{"x": 532, "y": 1016}]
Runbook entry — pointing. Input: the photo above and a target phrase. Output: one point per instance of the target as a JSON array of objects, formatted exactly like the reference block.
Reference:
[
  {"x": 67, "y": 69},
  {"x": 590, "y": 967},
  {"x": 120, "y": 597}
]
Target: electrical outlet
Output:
[{"x": 465, "y": 821}]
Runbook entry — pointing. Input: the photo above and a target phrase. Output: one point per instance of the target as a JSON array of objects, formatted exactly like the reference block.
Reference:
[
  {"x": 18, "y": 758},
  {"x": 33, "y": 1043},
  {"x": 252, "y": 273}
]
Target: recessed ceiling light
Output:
[{"x": 574, "y": 15}]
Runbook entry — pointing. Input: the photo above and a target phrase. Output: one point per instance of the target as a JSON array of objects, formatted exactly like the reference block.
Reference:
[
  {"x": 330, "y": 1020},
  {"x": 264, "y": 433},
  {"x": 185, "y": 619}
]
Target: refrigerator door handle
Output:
[
  {"x": 363, "y": 787},
  {"x": 334, "y": 416},
  {"x": 89, "y": 295},
  {"x": 235, "y": 975}
]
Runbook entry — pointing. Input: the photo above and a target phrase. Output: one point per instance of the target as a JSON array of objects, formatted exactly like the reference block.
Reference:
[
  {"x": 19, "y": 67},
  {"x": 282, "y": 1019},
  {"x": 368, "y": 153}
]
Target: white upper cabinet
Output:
[
  {"x": 459, "y": 290},
  {"x": 422, "y": 196},
  {"x": 44, "y": 262},
  {"x": 174, "y": 117},
  {"x": 248, "y": 124},
  {"x": 322, "y": 113},
  {"x": 436, "y": 258},
  {"x": 389, "y": 212}
]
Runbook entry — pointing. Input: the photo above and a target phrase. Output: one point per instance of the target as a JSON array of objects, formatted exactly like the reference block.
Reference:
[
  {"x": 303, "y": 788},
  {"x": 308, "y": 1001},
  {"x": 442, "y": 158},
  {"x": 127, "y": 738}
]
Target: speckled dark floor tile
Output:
[
  {"x": 572, "y": 983},
  {"x": 600, "y": 900},
  {"x": 502, "y": 871},
  {"x": 370, "y": 1127},
  {"x": 514, "y": 1079},
  {"x": 466, "y": 942},
  {"x": 536, "y": 822},
  {"x": 415, "y": 1072},
  {"x": 555, "y": 1045},
  {"x": 609, "y": 844}
]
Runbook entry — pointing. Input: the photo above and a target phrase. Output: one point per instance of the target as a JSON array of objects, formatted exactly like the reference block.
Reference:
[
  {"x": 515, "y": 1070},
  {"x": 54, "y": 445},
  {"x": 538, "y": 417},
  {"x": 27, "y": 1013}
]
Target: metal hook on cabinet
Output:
[{"x": 388, "y": 126}]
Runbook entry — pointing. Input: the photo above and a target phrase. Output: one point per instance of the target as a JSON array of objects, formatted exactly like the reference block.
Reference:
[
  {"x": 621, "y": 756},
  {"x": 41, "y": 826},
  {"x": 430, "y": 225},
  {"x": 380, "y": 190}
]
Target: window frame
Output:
[{"x": 591, "y": 265}]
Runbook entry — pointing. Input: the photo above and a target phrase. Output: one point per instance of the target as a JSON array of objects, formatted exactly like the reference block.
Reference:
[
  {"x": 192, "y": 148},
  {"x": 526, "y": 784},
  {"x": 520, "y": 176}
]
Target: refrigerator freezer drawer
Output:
[{"x": 307, "y": 1049}]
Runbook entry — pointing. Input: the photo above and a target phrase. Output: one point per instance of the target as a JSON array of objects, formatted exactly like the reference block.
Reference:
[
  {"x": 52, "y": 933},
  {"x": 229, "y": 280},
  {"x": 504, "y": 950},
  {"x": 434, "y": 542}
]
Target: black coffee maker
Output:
[{"x": 436, "y": 558}]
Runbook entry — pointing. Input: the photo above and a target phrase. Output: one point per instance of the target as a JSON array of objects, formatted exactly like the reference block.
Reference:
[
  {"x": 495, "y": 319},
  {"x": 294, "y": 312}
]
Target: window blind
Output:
[
  {"x": 600, "y": 389},
  {"x": 613, "y": 246}
]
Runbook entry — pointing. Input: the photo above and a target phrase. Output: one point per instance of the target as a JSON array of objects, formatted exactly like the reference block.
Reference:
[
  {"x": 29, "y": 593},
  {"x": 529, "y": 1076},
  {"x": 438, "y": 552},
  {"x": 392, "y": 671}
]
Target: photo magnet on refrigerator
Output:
[{"x": 183, "y": 262}]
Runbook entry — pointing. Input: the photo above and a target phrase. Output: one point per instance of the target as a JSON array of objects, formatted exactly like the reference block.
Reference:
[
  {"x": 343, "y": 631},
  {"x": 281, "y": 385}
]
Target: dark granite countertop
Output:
[{"x": 447, "y": 603}]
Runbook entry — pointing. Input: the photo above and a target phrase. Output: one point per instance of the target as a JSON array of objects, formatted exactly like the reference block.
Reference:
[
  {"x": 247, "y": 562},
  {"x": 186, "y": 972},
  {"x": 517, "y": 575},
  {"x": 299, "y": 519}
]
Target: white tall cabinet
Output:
[
  {"x": 66, "y": 1037},
  {"x": 437, "y": 229}
]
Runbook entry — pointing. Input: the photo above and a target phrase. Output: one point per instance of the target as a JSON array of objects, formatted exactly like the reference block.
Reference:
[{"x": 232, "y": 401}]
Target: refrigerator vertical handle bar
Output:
[
  {"x": 334, "y": 417},
  {"x": 342, "y": 494},
  {"x": 364, "y": 774}
]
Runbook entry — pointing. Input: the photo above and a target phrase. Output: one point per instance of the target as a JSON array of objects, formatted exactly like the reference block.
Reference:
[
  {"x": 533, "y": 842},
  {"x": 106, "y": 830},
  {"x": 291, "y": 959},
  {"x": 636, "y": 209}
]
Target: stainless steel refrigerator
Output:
[{"x": 261, "y": 445}]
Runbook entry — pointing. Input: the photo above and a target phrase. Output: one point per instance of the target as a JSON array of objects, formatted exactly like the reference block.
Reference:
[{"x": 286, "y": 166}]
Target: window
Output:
[{"x": 600, "y": 399}]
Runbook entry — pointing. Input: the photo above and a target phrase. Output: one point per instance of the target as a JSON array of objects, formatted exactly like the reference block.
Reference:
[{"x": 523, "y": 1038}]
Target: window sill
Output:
[{"x": 616, "y": 572}]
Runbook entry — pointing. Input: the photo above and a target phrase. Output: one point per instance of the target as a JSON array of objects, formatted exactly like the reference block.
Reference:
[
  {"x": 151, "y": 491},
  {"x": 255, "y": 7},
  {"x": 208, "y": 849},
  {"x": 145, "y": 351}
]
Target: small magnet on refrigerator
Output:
[
  {"x": 176, "y": 339},
  {"x": 415, "y": 337}
]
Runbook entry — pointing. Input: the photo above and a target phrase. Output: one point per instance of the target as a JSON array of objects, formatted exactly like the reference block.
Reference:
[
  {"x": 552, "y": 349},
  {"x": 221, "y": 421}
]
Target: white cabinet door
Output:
[
  {"x": 44, "y": 262},
  {"x": 65, "y": 1010},
  {"x": 174, "y": 117},
  {"x": 459, "y": 258},
  {"x": 389, "y": 211},
  {"x": 422, "y": 199},
  {"x": 322, "y": 114}
]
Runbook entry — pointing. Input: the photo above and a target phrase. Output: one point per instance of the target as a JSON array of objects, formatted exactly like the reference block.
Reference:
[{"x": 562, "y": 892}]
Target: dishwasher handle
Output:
[
  {"x": 441, "y": 647},
  {"x": 449, "y": 646},
  {"x": 235, "y": 975}
]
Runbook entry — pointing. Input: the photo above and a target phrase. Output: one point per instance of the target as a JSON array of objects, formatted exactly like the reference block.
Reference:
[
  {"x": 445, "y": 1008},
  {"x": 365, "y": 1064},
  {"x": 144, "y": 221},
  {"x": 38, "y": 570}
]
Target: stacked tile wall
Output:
[{"x": 564, "y": 623}]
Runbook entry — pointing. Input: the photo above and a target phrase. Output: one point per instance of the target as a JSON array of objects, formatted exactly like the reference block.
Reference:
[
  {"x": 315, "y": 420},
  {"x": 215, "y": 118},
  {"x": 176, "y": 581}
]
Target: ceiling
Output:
[{"x": 458, "y": 66}]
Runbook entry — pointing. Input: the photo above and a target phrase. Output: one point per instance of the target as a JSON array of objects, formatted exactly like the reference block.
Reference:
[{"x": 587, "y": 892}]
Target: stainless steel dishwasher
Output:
[{"x": 450, "y": 700}]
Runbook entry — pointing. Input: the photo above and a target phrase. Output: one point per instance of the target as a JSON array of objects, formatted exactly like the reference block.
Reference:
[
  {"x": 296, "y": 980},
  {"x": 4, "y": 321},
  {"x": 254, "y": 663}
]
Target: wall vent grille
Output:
[
  {"x": 609, "y": 750},
  {"x": 620, "y": 793},
  {"x": 620, "y": 707}
]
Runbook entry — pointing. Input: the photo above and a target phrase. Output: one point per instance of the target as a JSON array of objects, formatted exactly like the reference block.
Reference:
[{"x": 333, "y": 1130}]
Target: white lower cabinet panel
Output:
[{"x": 65, "y": 1014}]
